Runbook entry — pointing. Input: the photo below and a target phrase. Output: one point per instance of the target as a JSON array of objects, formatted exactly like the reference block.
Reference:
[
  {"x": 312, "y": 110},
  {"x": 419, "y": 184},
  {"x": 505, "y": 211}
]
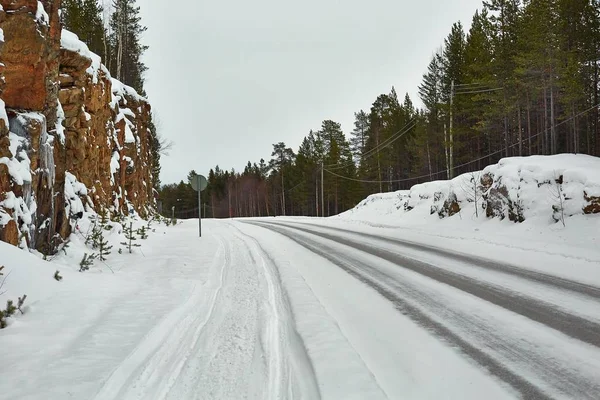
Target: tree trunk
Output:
[
  {"x": 451, "y": 144},
  {"x": 282, "y": 194},
  {"x": 267, "y": 200},
  {"x": 520, "y": 133},
  {"x": 229, "y": 196},
  {"x": 429, "y": 160},
  {"x": 378, "y": 163},
  {"x": 529, "y": 124},
  {"x": 553, "y": 143},
  {"x": 595, "y": 132},
  {"x": 447, "y": 154},
  {"x": 546, "y": 130},
  {"x": 575, "y": 136}
]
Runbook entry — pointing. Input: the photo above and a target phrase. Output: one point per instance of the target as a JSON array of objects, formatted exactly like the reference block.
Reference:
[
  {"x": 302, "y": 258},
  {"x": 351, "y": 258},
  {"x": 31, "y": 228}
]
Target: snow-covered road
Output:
[
  {"x": 536, "y": 332},
  {"x": 290, "y": 309}
]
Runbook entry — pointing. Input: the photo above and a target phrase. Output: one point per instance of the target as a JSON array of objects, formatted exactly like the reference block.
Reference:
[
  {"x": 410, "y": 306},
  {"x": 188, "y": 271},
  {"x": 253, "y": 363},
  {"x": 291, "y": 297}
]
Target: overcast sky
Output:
[{"x": 228, "y": 78}]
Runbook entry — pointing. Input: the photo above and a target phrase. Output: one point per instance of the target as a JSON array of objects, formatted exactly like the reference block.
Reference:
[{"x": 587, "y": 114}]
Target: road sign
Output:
[{"x": 198, "y": 182}]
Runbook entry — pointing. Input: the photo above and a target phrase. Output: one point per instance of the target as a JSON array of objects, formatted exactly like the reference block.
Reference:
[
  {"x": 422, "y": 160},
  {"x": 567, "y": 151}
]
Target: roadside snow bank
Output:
[{"x": 545, "y": 188}]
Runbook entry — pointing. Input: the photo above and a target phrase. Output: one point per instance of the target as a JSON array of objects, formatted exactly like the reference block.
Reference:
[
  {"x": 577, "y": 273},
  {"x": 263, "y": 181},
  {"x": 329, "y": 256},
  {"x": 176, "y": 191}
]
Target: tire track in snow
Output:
[
  {"x": 301, "y": 352},
  {"x": 572, "y": 325},
  {"x": 485, "y": 350},
  {"x": 523, "y": 273},
  {"x": 243, "y": 344},
  {"x": 291, "y": 362},
  {"x": 165, "y": 344}
]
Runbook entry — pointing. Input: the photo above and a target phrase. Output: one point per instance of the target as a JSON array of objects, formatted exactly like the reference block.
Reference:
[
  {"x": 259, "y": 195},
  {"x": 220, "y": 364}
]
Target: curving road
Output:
[{"x": 536, "y": 332}]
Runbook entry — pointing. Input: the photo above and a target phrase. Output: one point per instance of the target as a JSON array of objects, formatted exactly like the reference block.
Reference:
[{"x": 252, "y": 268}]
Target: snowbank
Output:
[{"x": 541, "y": 188}]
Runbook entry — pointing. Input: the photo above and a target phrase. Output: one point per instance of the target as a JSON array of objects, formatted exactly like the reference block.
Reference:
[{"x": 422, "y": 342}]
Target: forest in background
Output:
[{"x": 522, "y": 81}]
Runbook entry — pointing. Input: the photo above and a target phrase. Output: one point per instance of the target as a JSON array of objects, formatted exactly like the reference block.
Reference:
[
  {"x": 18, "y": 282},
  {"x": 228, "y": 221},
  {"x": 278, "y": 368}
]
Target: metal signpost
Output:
[{"x": 199, "y": 183}]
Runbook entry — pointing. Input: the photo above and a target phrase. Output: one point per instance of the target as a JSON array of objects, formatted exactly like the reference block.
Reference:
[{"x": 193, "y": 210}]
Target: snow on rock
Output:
[
  {"x": 3, "y": 115},
  {"x": 70, "y": 41},
  {"x": 542, "y": 186},
  {"x": 19, "y": 209},
  {"x": 75, "y": 191},
  {"x": 518, "y": 188},
  {"x": 121, "y": 90},
  {"x": 60, "y": 119},
  {"x": 41, "y": 15},
  {"x": 19, "y": 164}
]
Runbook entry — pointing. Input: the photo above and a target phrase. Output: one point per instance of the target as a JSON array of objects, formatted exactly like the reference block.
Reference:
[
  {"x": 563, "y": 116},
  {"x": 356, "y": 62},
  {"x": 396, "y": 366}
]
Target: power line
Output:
[
  {"x": 471, "y": 84},
  {"x": 480, "y": 91},
  {"x": 383, "y": 145},
  {"x": 465, "y": 164}
]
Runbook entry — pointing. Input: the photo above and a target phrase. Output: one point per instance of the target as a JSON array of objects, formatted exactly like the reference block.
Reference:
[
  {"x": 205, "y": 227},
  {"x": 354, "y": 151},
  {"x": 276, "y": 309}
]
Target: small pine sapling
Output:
[
  {"x": 105, "y": 220},
  {"x": 3, "y": 279},
  {"x": 65, "y": 246},
  {"x": 130, "y": 236},
  {"x": 10, "y": 308},
  {"x": 143, "y": 233},
  {"x": 96, "y": 236},
  {"x": 20, "y": 303},
  {"x": 57, "y": 276},
  {"x": 86, "y": 262}
]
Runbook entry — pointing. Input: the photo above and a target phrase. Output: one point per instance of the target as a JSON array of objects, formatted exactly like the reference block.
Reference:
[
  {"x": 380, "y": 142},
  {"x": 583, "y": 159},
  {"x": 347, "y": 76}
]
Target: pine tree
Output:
[
  {"x": 84, "y": 18},
  {"x": 283, "y": 157},
  {"x": 125, "y": 37},
  {"x": 453, "y": 64},
  {"x": 104, "y": 249},
  {"x": 130, "y": 236},
  {"x": 84, "y": 265},
  {"x": 358, "y": 139}
]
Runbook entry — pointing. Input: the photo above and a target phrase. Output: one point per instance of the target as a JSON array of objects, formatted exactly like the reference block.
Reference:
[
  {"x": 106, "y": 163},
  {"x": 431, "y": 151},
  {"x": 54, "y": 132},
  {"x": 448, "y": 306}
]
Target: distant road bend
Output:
[{"x": 534, "y": 331}]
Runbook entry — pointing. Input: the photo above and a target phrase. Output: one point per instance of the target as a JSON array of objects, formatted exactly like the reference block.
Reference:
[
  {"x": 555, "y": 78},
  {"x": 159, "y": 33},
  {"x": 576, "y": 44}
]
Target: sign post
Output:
[{"x": 199, "y": 183}]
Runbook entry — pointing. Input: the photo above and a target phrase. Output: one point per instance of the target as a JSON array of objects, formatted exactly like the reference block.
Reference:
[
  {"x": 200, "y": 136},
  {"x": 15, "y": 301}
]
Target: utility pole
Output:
[
  {"x": 322, "y": 198},
  {"x": 230, "y": 216},
  {"x": 282, "y": 193},
  {"x": 199, "y": 207},
  {"x": 451, "y": 168},
  {"x": 317, "y": 196}
]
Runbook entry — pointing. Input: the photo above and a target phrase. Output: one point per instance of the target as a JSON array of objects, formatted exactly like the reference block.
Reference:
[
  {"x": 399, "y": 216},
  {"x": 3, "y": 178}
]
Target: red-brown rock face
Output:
[{"x": 102, "y": 137}]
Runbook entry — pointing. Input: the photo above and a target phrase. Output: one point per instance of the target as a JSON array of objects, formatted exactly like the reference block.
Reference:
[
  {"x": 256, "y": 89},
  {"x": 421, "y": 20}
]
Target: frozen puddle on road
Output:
[{"x": 233, "y": 338}]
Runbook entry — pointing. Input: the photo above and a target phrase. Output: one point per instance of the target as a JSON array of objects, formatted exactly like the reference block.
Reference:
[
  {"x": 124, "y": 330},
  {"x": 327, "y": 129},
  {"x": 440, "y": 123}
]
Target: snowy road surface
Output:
[{"x": 290, "y": 309}]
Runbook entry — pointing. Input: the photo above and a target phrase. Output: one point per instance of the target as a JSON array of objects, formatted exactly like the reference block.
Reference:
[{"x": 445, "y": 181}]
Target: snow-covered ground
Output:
[
  {"x": 381, "y": 302},
  {"x": 182, "y": 318}
]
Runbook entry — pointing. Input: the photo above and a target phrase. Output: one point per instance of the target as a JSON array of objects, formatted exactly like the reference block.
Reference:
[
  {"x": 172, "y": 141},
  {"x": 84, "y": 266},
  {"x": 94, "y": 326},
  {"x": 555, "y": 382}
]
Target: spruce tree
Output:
[
  {"x": 127, "y": 50},
  {"x": 358, "y": 139},
  {"x": 130, "y": 236},
  {"x": 84, "y": 18}
]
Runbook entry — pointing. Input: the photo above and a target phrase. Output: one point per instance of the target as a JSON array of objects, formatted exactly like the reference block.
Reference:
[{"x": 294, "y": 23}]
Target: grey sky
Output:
[{"x": 230, "y": 78}]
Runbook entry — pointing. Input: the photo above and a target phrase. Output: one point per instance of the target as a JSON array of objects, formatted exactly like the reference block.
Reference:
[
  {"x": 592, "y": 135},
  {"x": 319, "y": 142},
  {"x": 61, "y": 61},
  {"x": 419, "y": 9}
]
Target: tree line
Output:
[
  {"x": 112, "y": 29},
  {"x": 523, "y": 80}
]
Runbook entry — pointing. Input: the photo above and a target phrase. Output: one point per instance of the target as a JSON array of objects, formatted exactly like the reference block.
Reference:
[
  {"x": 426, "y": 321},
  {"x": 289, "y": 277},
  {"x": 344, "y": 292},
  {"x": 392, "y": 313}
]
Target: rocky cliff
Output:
[{"x": 71, "y": 138}]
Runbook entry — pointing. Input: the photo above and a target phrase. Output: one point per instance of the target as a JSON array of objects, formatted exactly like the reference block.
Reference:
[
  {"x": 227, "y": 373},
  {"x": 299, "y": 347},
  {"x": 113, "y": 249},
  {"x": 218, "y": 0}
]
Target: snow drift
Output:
[{"x": 544, "y": 188}]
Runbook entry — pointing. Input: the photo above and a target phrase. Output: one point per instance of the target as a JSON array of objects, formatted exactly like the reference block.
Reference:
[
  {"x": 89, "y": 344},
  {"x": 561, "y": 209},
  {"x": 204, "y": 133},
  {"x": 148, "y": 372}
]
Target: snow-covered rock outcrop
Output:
[
  {"x": 518, "y": 188},
  {"x": 71, "y": 137}
]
